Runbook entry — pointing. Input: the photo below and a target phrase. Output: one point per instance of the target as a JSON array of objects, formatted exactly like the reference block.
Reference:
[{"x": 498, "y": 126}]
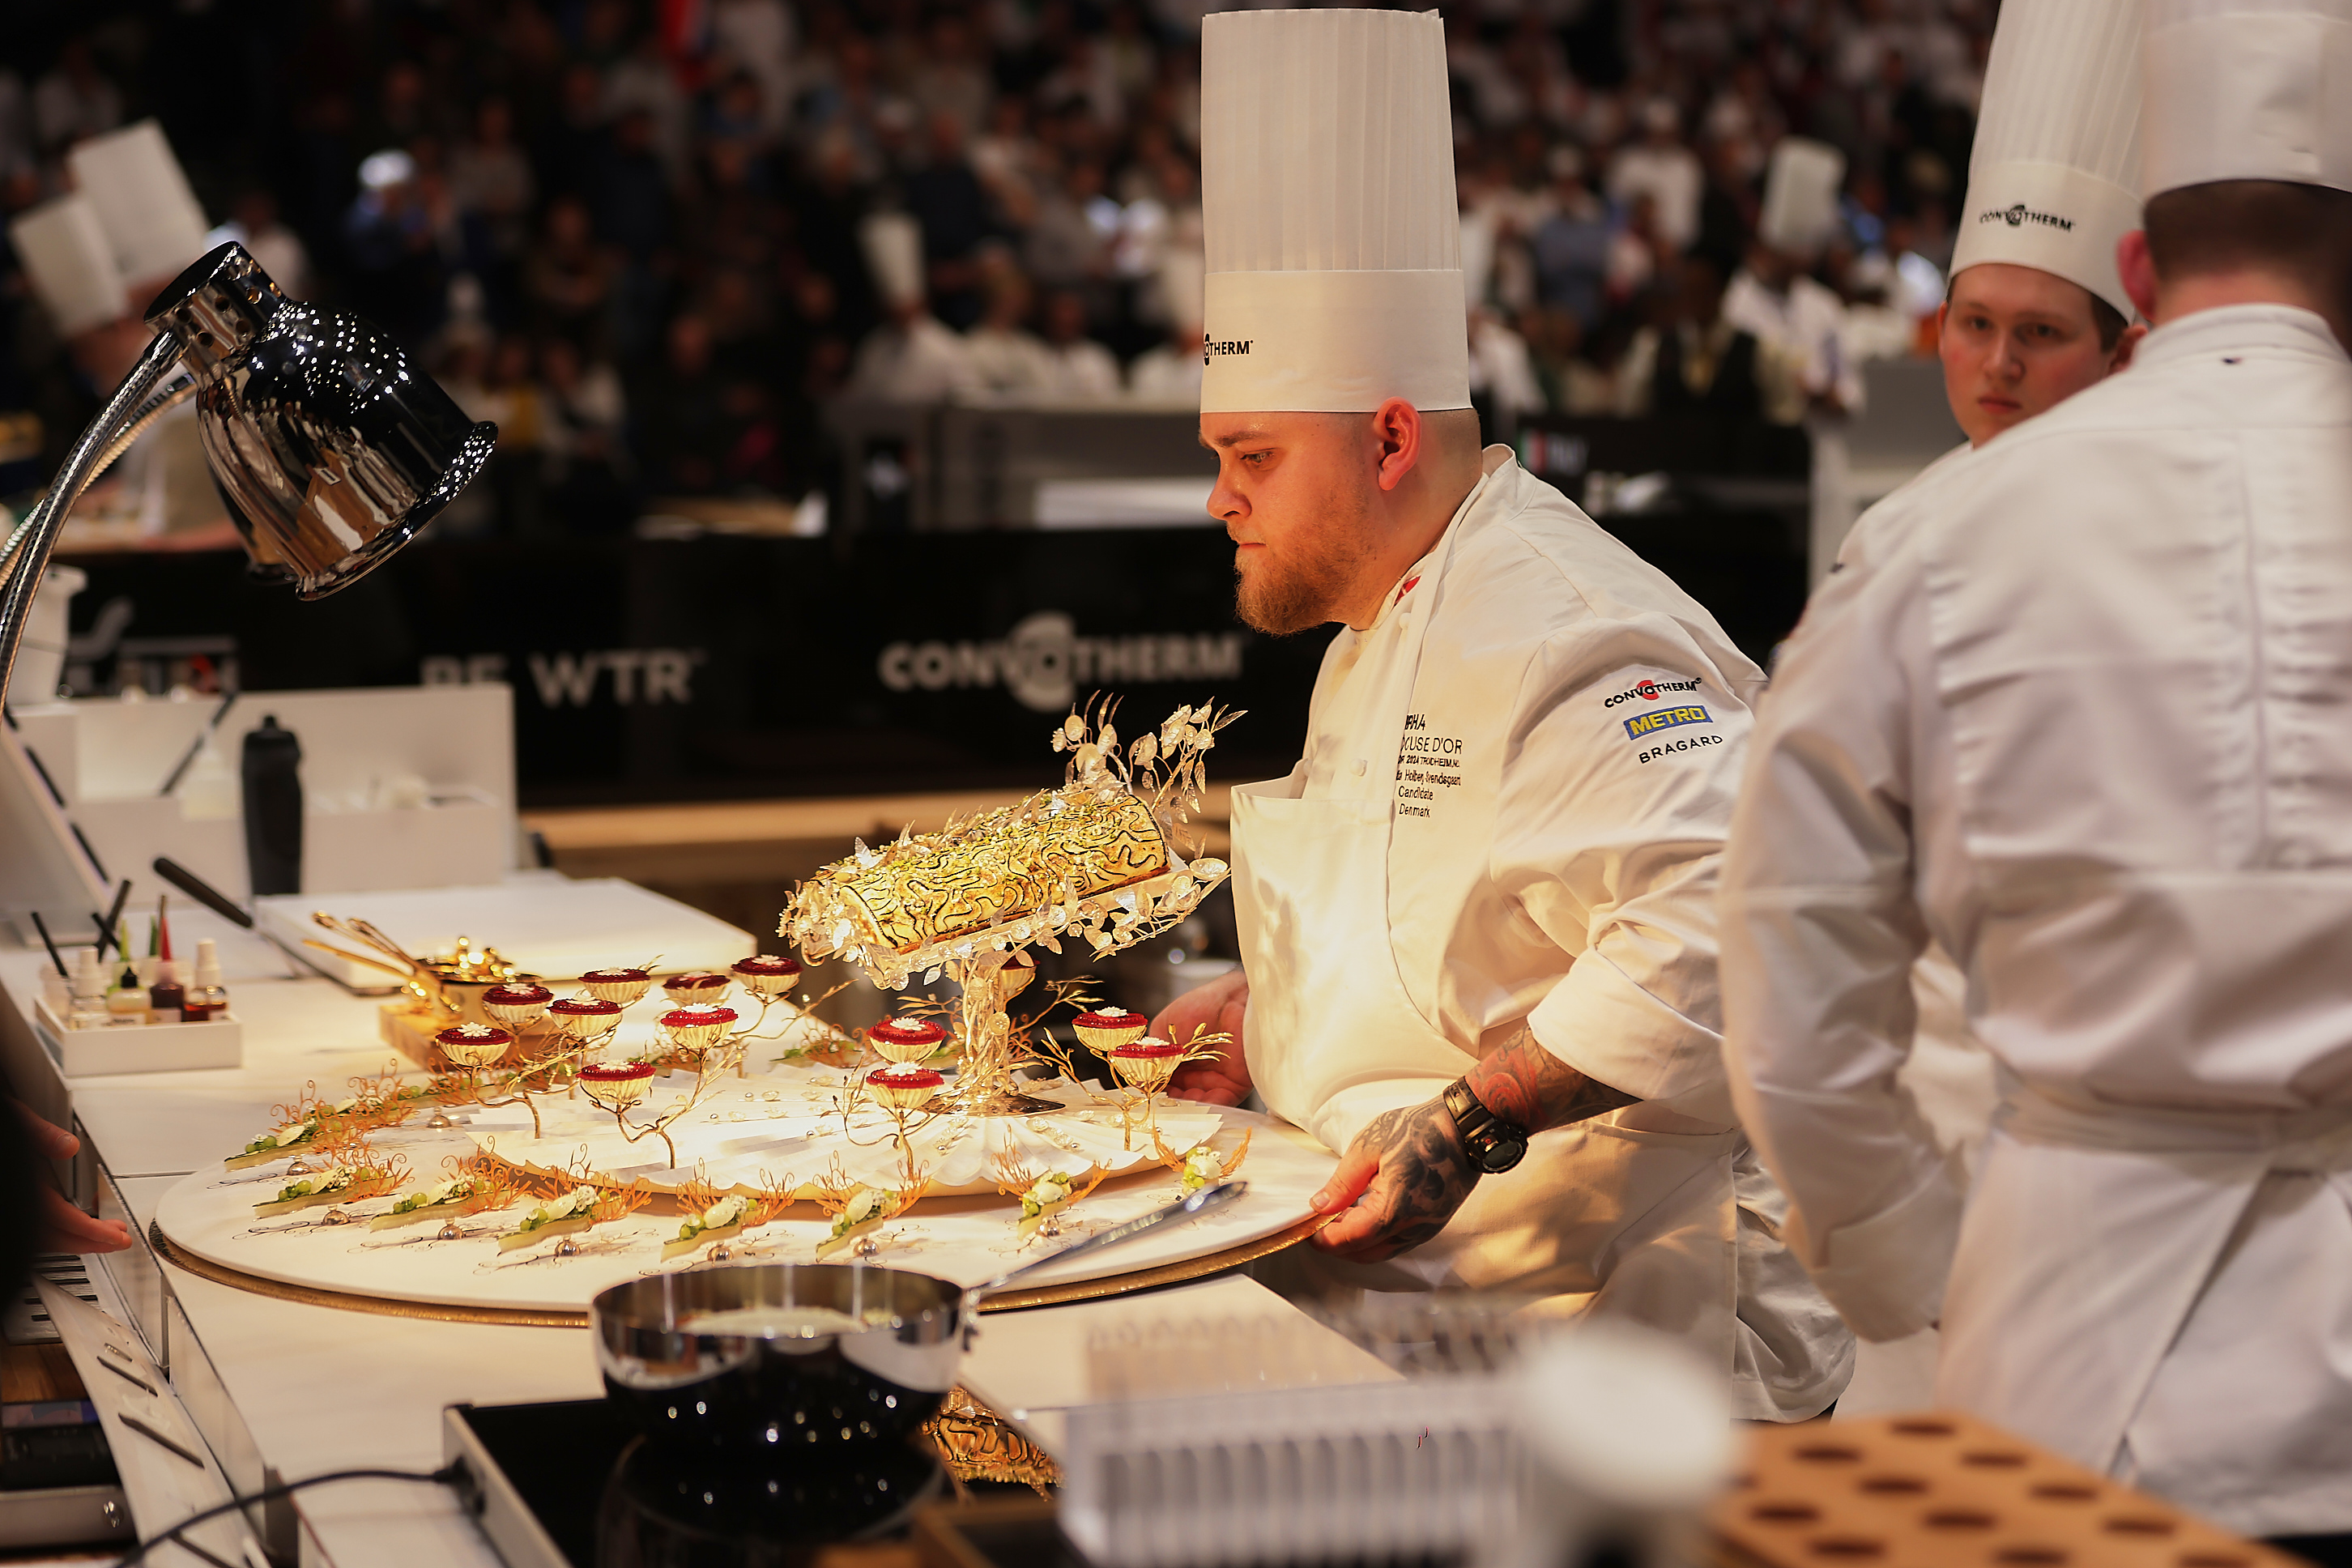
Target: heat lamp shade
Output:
[{"x": 330, "y": 448}]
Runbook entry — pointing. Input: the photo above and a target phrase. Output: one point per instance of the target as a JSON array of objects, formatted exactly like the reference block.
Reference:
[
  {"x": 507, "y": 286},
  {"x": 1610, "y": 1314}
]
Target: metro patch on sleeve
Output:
[{"x": 1642, "y": 724}]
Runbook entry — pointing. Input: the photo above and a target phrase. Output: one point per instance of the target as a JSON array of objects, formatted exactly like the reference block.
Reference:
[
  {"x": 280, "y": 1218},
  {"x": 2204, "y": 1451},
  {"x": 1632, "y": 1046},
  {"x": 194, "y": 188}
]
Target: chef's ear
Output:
[
  {"x": 1396, "y": 427},
  {"x": 2138, "y": 271}
]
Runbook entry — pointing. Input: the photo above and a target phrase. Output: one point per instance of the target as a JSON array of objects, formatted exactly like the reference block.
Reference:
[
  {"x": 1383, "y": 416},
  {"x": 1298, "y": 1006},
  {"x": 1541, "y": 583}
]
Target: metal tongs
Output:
[{"x": 1208, "y": 1200}]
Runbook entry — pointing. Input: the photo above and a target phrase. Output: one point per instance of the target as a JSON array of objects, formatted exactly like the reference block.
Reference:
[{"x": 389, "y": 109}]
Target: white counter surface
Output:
[{"x": 317, "y": 1389}]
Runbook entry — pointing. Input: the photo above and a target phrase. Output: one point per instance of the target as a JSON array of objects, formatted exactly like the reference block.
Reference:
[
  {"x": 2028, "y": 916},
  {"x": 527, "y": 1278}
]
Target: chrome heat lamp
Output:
[{"x": 329, "y": 447}]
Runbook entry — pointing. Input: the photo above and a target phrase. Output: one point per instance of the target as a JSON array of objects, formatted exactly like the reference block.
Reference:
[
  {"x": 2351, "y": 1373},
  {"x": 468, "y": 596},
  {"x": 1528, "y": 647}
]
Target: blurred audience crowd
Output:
[{"x": 651, "y": 239}]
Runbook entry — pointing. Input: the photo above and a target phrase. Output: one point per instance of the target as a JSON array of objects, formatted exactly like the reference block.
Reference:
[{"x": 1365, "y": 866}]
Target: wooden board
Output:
[{"x": 1947, "y": 1491}]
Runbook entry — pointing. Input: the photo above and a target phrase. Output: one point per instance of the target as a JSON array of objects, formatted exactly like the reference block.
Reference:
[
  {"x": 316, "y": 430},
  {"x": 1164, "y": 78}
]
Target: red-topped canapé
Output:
[
  {"x": 904, "y": 1040},
  {"x": 904, "y": 1088},
  {"x": 516, "y": 1003},
  {"x": 1148, "y": 1063},
  {"x": 619, "y": 987},
  {"x": 1109, "y": 1028},
  {"x": 584, "y": 1016},
  {"x": 617, "y": 1084},
  {"x": 474, "y": 1045},
  {"x": 697, "y": 985},
  {"x": 1149, "y": 1048},
  {"x": 767, "y": 975},
  {"x": 698, "y": 1028}
]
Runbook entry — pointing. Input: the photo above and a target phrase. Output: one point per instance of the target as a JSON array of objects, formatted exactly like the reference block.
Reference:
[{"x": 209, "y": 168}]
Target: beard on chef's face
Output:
[
  {"x": 1309, "y": 564},
  {"x": 1294, "y": 493}
]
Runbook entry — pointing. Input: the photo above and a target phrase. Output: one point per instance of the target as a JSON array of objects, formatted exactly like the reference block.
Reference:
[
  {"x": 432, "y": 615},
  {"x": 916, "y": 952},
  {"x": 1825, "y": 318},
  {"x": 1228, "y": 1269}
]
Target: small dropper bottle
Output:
[
  {"x": 126, "y": 1004},
  {"x": 89, "y": 1004},
  {"x": 206, "y": 1000},
  {"x": 166, "y": 995}
]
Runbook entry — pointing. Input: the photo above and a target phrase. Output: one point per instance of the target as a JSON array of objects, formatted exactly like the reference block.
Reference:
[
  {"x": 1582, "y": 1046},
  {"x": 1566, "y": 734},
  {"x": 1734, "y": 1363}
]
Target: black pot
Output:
[{"x": 779, "y": 1357}]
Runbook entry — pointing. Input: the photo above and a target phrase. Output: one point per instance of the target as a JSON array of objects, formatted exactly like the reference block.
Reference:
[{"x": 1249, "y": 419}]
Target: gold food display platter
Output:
[{"x": 455, "y": 1312}]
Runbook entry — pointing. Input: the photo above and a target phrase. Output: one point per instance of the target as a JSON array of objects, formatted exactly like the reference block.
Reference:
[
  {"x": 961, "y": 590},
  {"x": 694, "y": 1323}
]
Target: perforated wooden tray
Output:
[{"x": 1940, "y": 1490}]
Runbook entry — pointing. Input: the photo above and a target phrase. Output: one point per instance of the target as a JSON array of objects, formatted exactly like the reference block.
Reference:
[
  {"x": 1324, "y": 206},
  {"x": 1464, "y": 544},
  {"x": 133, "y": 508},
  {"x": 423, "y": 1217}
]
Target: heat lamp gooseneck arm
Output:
[{"x": 25, "y": 557}]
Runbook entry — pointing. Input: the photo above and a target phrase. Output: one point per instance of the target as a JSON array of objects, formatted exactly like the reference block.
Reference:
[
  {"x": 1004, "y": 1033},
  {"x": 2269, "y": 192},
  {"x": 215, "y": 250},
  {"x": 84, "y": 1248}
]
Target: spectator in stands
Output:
[
  {"x": 1571, "y": 246},
  {"x": 680, "y": 426},
  {"x": 1007, "y": 358},
  {"x": 73, "y": 99},
  {"x": 1688, "y": 359},
  {"x": 568, "y": 283},
  {"x": 1076, "y": 366},
  {"x": 1803, "y": 363},
  {"x": 1503, "y": 384},
  {"x": 389, "y": 235},
  {"x": 587, "y": 467},
  {"x": 1170, "y": 372},
  {"x": 491, "y": 183},
  {"x": 513, "y": 396},
  {"x": 571, "y": 149},
  {"x": 948, "y": 202},
  {"x": 1660, "y": 167},
  {"x": 1067, "y": 248},
  {"x": 948, "y": 82},
  {"x": 912, "y": 358}
]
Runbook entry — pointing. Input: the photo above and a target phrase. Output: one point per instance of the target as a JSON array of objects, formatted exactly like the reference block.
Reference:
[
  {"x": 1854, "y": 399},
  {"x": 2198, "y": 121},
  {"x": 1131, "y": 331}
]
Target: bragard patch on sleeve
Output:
[{"x": 1641, "y": 724}]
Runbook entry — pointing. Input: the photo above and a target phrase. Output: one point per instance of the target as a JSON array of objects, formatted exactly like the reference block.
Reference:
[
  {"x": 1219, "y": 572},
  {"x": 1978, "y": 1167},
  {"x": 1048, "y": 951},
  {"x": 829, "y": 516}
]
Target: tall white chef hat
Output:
[
  {"x": 143, "y": 199},
  {"x": 2057, "y": 151},
  {"x": 1800, "y": 194},
  {"x": 2247, "y": 89},
  {"x": 1326, "y": 194},
  {"x": 71, "y": 264},
  {"x": 893, "y": 243}
]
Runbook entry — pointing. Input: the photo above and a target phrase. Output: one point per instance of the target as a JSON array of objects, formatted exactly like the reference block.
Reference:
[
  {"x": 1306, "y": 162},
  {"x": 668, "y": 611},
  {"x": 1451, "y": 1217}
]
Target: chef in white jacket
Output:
[
  {"x": 2077, "y": 710},
  {"x": 1478, "y": 917}
]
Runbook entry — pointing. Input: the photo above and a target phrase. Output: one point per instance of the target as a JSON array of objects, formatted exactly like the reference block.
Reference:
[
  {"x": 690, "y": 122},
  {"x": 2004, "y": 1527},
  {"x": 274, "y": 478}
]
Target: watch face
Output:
[{"x": 1502, "y": 1154}]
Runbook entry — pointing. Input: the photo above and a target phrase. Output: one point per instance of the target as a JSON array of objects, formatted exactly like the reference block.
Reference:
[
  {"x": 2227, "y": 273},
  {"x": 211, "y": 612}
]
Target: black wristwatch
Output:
[{"x": 1495, "y": 1146}]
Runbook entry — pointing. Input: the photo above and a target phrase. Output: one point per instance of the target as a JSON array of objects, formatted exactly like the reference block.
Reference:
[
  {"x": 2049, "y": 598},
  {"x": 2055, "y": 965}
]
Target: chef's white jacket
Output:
[
  {"x": 2082, "y": 709},
  {"x": 1509, "y": 814}
]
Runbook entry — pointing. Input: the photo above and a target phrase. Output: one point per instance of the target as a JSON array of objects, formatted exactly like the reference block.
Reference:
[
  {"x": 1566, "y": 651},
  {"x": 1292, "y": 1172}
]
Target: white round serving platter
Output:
[{"x": 209, "y": 1216}]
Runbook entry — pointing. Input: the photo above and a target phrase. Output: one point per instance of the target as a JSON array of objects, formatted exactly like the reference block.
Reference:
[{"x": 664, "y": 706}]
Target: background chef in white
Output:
[
  {"x": 2077, "y": 708},
  {"x": 2035, "y": 312},
  {"x": 1478, "y": 917}
]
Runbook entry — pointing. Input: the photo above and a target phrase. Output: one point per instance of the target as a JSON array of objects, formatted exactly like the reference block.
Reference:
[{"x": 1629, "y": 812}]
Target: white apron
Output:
[
  {"x": 1624, "y": 1214},
  {"x": 2099, "y": 1241}
]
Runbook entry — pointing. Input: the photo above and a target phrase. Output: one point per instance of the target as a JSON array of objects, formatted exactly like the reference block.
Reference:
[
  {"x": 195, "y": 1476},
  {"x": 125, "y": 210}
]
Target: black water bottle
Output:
[{"x": 273, "y": 809}]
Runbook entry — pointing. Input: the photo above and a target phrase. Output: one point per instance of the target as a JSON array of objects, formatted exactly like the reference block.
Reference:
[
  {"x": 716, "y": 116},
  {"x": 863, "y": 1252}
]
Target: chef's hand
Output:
[
  {"x": 63, "y": 1227},
  {"x": 1406, "y": 1175},
  {"x": 1216, "y": 1007}
]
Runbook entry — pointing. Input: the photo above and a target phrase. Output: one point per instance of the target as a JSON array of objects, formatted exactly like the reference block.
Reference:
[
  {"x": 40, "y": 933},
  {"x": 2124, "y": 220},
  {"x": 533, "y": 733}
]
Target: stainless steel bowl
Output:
[{"x": 779, "y": 1356}]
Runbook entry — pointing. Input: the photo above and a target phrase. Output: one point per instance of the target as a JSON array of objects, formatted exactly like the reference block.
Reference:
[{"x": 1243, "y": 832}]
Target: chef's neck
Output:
[
  {"x": 1428, "y": 463},
  {"x": 2167, "y": 296}
]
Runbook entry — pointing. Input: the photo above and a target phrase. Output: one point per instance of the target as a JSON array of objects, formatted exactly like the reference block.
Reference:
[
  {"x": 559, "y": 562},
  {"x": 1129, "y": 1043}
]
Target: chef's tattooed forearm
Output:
[
  {"x": 1424, "y": 1172},
  {"x": 1528, "y": 1086}
]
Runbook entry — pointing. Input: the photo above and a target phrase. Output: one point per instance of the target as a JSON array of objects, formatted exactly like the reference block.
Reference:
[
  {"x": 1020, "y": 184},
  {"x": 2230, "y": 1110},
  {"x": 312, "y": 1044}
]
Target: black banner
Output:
[{"x": 733, "y": 667}]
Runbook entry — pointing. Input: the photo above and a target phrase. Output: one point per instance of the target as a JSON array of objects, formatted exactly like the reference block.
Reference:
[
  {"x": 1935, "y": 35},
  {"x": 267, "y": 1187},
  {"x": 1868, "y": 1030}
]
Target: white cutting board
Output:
[{"x": 551, "y": 926}]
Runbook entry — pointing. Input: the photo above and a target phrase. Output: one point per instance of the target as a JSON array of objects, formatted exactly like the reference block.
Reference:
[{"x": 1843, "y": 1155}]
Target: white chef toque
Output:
[
  {"x": 143, "y": 200},
  {"x": 1801, "y": 195},
  {"x": 2052, "y": 181},
  {"x": 1327, "y": 195},
  {"x": 893, "y": 244},
  {"x": 71, "y": 263},
  {"x": 2247, "y": 89}
]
